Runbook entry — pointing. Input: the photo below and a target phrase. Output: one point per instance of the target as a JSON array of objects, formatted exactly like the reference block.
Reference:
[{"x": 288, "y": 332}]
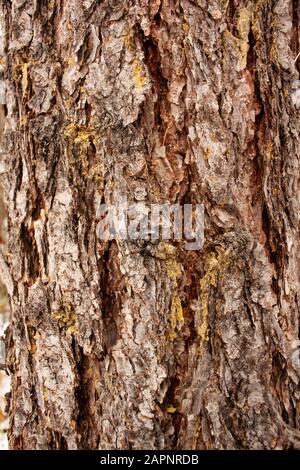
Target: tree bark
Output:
[{"x": 110, "y": 345}]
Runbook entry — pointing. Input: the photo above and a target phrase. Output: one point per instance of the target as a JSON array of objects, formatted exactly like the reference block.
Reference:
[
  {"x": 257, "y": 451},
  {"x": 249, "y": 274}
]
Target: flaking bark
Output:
[{"x": 110, "y": 345}]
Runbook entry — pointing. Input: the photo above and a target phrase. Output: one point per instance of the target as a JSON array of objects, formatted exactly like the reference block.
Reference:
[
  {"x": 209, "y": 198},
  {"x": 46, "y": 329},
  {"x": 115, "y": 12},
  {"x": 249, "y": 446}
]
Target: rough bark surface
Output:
[{"x": 112, "y": 345}]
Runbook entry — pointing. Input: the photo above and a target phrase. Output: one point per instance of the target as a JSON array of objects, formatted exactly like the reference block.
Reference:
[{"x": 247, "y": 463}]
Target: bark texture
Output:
[{"x": 112, "y": 345}]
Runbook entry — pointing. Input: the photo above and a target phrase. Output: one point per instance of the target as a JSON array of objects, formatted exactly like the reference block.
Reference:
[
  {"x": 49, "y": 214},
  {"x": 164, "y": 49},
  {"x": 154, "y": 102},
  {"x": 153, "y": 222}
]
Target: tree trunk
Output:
[{"x": 111, "y": 345}]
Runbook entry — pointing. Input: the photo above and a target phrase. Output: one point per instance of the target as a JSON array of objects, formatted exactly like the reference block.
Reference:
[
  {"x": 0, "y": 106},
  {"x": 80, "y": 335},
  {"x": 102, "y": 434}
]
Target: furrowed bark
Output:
[{"x": 112, "y": 345}]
